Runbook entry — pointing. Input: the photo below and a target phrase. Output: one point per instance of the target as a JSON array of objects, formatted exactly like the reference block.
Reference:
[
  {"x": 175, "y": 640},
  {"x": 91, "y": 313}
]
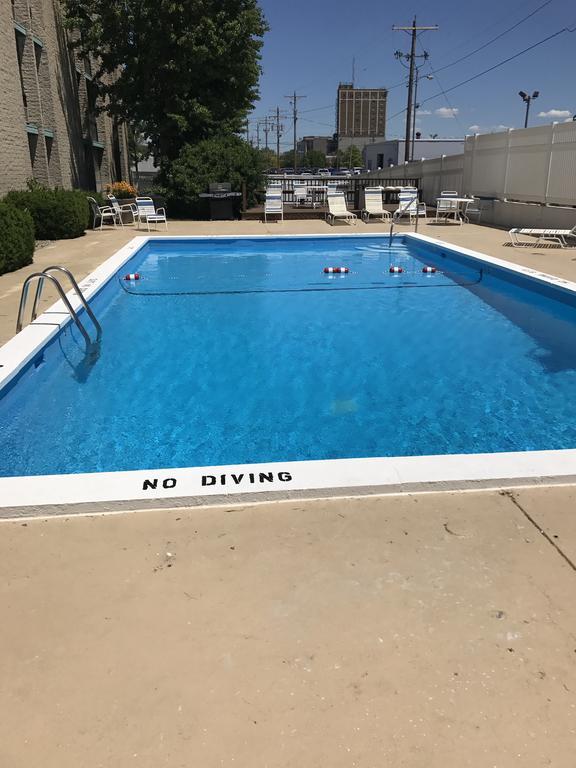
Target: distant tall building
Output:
[{"x": 360, "y": 115}]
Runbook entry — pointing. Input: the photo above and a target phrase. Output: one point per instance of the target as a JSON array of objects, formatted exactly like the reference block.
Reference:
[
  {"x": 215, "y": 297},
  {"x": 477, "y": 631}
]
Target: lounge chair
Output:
[
  {"x": 373, "y": 204},
  {"x": 148, "y": 213},
  {"x": 120, "y": 209},
  {"x": 102, "y": 212},
  {"x": 542, "y": 236},
  {"x": 273, "y": 204},
  {"x": 337, "y": 208},
  {"x": 448, "y": 193}
]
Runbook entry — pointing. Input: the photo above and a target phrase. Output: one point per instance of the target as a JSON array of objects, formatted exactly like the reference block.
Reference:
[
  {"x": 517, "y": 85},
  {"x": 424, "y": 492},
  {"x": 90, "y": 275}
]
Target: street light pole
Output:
[{"x": 527, "y": 99}]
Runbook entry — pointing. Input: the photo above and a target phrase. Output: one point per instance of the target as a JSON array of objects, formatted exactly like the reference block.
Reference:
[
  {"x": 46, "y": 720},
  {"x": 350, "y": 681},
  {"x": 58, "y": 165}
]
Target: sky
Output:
[{"x": 312, "y": 43}]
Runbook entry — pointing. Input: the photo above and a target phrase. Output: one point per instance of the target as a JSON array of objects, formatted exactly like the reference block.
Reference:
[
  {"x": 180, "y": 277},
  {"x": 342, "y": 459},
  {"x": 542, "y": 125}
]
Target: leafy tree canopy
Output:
[
  {"x": 351, "y": 157},
  {"x": 313, "y": 159},
  {"x": 184, "y": 69},
  {"x": 221, "y": 158}
]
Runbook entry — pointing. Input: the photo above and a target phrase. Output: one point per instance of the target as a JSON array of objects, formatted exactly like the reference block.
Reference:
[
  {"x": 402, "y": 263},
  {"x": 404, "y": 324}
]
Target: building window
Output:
[
  {"x": 37, "y": 53},
  {"x": 49, "y": 142},
  {"x": 32, "y": 147},
  {"x": 20, "y": 43}
]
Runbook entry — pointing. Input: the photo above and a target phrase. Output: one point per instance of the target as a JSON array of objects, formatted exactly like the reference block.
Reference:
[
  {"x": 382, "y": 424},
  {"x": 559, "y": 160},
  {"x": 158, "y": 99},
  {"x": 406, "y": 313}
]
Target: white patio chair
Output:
[
  {"x": 543, "y": 236},
  {"x": 149, "y": 214},
  {"x": 120, "y": 209},
  {"x": 273, "y": 204},
  {"x": 446, "y": 207},
  {"x": 102, "y": 212},
  {"x": 337, "y": 209},
  {"x": 373, "y": 205},
  {"x": 407, "y": 204},
  {"x": 300, "y": 194}
]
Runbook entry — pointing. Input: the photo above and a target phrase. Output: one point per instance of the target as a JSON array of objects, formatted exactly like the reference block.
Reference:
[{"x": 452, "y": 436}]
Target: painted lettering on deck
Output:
[
  {"x": 148, "y": 485},
  {"x": 246, "y": 478}
]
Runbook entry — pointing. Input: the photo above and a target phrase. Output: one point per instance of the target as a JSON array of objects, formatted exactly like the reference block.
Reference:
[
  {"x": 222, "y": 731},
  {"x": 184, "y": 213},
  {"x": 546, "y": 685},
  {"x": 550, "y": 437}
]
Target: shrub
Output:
[
  {"x": 224, "y": 158},
  {"x": 58, "y": 214},
  {"x": 121, "y": 190},
  {"x": 16, "y": 238}
]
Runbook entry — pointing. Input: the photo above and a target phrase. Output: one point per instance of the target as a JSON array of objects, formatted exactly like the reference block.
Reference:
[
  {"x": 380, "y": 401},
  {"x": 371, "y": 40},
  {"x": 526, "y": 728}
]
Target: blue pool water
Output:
[{"x": 239, "y": 351}]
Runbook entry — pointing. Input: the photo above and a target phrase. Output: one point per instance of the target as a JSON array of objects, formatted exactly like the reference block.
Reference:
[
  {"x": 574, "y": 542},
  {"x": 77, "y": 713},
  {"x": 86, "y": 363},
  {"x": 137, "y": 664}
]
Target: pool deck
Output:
[{"x": 415, "y": 631}]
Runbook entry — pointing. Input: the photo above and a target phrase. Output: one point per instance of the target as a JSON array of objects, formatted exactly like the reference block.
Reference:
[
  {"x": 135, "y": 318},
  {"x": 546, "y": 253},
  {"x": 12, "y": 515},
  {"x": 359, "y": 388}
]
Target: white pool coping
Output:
[{"x": 272, "y": 480}]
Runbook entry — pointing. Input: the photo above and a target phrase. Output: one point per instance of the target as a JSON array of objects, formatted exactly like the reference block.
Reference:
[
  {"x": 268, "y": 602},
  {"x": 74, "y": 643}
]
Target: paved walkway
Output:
[
  {"x": 412, "y": 632},
  {"x": 416, "y": 631}
]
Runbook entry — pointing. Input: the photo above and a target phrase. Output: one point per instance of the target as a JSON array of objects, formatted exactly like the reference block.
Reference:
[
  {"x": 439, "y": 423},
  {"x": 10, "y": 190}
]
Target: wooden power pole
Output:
[{"x": 413, "y": 30}]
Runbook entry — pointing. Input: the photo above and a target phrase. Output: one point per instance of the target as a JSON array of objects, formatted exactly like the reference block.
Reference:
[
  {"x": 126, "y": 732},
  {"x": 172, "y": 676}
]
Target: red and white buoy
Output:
[
  {"x": 429, "y": 270},
  {"x": 337, "y": 270},
  {"x": 396, "y": 270},
  {"x": 132, "y": 276}
]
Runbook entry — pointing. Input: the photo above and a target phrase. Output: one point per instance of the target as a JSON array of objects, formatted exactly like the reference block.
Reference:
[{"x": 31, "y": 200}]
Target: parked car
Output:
[{"x": 324, "y": 171}]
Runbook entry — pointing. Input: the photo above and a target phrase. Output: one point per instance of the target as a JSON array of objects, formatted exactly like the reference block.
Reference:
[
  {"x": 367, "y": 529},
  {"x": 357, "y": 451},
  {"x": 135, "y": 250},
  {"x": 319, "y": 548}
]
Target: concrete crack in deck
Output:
[{"x": 549, "y": 539}]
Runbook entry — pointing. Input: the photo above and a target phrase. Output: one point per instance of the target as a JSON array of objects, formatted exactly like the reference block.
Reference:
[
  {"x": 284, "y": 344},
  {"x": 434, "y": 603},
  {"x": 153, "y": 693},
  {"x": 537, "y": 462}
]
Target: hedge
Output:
[
  {"x": 58, "y": 214},
  {"x": 16, "y": 238}
]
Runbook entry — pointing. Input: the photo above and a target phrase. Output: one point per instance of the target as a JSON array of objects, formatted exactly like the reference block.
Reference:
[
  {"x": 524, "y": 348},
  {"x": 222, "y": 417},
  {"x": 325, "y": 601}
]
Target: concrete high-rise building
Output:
[
  {"x": 360, "y": 115},
  {"x": 49, "y": 127}
]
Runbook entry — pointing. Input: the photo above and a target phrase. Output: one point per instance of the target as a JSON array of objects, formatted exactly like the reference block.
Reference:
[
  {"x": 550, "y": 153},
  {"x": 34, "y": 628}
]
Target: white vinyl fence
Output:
[{"x": 531, "y": 165}]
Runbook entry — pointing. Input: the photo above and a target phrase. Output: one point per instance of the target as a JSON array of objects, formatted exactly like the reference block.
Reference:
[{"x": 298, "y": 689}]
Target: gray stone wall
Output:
[{"x": 49, "y": 126}]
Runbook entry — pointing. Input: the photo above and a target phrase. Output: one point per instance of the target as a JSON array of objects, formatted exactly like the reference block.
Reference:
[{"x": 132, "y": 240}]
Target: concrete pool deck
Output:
[{"x": 414, "y": 631}]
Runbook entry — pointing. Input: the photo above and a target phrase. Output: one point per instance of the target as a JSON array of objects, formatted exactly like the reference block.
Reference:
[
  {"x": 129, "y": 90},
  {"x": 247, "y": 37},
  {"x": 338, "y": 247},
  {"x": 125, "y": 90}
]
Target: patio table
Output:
[{"x": 461, "y": 204}]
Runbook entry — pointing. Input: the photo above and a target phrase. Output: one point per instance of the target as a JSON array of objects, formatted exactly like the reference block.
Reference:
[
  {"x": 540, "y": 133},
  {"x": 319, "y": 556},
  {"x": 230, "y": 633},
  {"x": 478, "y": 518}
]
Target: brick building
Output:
[
  {"x": 49, "y": 129},
  {"x": 360, "y": 115}
]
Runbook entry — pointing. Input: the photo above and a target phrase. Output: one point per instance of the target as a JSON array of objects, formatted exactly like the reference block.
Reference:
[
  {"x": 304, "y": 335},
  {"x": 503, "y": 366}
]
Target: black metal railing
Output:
[{"x": 350, "y": 185}]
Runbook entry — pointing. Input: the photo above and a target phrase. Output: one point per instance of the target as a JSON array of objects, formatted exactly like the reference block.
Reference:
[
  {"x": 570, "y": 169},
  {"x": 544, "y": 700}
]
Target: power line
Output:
[
  {"x": 491, "y": 69},
  {"x": 493, "y": 40},
  {"x": 294, "y": 102}
]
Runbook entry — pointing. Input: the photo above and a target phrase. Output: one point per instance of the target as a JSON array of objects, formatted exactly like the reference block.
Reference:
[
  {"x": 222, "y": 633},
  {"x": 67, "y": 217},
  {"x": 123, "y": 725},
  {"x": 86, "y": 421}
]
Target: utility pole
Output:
[
  {"x": 294, "y": 103},
  {"x": 413, "y": 30},
  {"x": 416, "y": 105},
  {"x": 279, "y": 129},
  {"x": 266, "y": 131},
  {"x": 257, "y": 134}
]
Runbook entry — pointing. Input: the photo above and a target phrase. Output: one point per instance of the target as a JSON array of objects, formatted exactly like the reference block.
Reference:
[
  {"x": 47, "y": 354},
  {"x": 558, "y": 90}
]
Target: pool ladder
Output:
[
  {"x": 45, "y": 275},
  {"x": 399, "y": 213}
]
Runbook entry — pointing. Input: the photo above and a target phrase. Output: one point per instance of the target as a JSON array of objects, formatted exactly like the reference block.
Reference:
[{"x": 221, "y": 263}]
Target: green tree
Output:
[
  {"x": 350, "y": 157},
  {"x": 221, "y": 158},
  {"x": 185, "y": 70},
  {"x": 313, "y": 159}
]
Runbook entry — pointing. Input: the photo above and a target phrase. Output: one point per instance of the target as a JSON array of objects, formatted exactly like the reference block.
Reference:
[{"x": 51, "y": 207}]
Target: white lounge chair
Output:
[
  {"x": 558, "y": 236},
  {"x": 373, "y": 205},
  {"x": 407, "y": 204},
  {"x": 337, "y": 208},
  {"x": 120, "y": 209},
  {"x": 149, "y": 214},
  {"x": 273, "y": 204},
  {"x": 448, "y": 193},
  {"x": 102, "y": 212}
]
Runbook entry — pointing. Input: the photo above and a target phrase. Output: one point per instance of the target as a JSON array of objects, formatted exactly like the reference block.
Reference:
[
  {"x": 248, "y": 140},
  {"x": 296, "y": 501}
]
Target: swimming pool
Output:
[{"x": 240, "y": 358}]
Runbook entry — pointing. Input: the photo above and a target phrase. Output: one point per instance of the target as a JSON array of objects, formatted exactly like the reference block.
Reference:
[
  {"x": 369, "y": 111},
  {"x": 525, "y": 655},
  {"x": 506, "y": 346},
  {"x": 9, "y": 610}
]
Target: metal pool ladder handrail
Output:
[
  {"x": 77, "y": 290},
  {"x": 41, "y": 276},
  {"x": 399, "y": 213}
]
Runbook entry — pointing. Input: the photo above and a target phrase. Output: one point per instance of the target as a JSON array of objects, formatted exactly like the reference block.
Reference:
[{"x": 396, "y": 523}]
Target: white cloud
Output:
[
  {"x": 423, "y": 112},
  {"x": 555, "y": 113},
  {"x": 501, "y": 128},
  {"x": 447, "y": 112},
  {"x": 474, "y": 128}
]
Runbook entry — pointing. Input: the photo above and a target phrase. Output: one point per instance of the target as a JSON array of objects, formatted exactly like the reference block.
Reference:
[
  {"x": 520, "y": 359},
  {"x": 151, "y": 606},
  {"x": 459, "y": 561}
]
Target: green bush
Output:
[
  {"x": 224, "y": 158},
  {"x": 58, "y": 214},
  {"x": 16, "y": 238}
]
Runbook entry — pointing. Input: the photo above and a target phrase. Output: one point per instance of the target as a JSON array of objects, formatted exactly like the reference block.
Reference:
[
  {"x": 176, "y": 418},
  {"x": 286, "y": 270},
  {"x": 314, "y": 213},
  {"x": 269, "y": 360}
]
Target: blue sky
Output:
[{"x": 311, "y": 43}]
